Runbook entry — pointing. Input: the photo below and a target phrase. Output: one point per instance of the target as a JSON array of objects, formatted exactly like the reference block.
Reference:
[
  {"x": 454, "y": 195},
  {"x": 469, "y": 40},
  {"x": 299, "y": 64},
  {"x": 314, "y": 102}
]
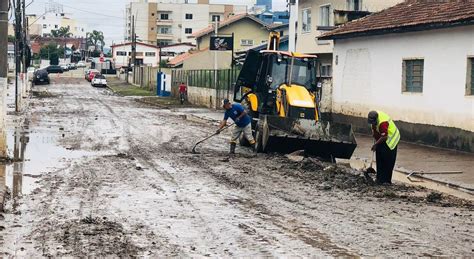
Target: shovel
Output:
[
  {"x": 208, "y": 137},
  {"x": 370, "y": 170}
]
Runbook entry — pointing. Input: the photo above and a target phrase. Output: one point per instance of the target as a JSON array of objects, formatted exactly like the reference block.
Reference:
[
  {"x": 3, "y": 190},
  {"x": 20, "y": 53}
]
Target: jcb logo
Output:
[{"x": 302, "y": 115}]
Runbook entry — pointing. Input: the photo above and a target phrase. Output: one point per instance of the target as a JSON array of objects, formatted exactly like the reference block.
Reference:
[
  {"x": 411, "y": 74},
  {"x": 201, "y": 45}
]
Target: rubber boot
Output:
[{"x": 232, "y": 148}]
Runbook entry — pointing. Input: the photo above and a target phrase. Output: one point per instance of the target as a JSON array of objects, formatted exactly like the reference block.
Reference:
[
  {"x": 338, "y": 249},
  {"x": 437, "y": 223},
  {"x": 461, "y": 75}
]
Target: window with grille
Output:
[
  {"x": 326, "y": 70},
  {"x": 189, "y": 16},
  {"x": 306, "y": 20},
  {"x": 470, "y": 76},
  {"x": 150, "y": 54},
  {"x": 244, "y": 42},
  {"x": 188, "y": 30},
  {"x": 354, "y": 5},
  {"x": 413, "y": 75},
  {"x": 325, "y": 15},
  {"x": 121, "y": 53},
  {"x": 164, "y": 30},
  {"x": 164, "y": 16}
]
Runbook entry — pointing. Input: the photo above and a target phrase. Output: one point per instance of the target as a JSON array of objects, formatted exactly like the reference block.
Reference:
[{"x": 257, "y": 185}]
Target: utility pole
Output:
[
  {"x": 293, "y": 6},
  {"x": 134, "y": 42},
  {"x": 18, "y": 39},
  {"x": 24, "y": 34},
  {"x": 131, "y": 60},
  {"x": 3, "y": 38},
  {"x": 216, "y": 30}
]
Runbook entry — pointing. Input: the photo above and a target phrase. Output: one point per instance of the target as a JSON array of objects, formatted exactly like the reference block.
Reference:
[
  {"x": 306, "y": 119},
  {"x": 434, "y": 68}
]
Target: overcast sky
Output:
[{"x": 108, "y": 15}]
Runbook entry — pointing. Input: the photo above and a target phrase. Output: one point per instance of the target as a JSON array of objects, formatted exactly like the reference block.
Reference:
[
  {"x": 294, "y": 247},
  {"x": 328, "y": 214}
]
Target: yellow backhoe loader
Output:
[{"x": 280, "y": 91}]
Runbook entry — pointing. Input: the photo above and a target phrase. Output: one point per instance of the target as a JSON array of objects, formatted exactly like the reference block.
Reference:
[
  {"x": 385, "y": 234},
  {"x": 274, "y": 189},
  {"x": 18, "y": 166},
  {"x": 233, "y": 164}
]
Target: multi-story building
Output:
[
  {"x": 267, "y": 4},
  {"x": 281, "y": 17},
  {"x": 170, "y": 22},
  {"x": 319, "y": 16},
  {"x": 43, "y": 24}
]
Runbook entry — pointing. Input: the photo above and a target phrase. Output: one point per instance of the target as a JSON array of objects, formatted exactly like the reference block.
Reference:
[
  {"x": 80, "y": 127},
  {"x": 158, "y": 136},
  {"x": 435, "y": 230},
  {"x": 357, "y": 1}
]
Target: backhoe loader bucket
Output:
[{"x": 324, "y": 139}]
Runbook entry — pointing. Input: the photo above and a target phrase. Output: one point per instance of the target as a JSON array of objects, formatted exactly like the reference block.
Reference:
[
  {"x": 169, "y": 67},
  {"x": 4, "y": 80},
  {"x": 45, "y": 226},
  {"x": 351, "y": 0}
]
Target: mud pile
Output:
[{"x": 327, "y": 176}]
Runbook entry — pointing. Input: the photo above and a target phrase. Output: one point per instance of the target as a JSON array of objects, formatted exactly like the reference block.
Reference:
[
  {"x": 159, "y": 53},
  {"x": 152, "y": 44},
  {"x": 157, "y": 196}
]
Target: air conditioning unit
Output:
[{"x": 180, "y": 25}]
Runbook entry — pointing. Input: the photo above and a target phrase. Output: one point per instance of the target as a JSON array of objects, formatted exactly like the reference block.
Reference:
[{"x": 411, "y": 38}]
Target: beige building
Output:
[
  {"x": 248, "y": 32},
  {"x": 43, "y": 24},
  {"x": 170, "y": 22},
  {"x": 316, "y": 17}
]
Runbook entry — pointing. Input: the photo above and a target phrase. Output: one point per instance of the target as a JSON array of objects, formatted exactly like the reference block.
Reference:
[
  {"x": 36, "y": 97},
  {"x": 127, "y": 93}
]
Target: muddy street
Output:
[{"x": 103, "y": 175}]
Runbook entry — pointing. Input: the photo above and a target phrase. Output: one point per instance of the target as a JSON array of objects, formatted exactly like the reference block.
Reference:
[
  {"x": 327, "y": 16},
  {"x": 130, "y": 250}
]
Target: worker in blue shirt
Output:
[{"x": 242, "y": 123}]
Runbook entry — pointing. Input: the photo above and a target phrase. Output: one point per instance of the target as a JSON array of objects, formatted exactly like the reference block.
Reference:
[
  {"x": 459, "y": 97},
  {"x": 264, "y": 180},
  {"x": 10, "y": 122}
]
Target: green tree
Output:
[
  {"x": 47, "y": 51},
  {"x": 63, "y": 32},
  {"x": 96, "y": 39}
]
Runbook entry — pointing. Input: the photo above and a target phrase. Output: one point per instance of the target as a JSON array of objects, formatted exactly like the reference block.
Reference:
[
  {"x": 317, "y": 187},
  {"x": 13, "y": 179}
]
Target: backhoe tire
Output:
[{"x": 258, "y": 139}]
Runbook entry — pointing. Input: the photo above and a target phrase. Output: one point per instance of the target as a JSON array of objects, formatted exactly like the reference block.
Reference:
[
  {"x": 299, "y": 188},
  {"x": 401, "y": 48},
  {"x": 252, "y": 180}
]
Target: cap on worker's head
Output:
[
  {"x": 372, "y": 117},
  {"x": 224, "y": 102}
]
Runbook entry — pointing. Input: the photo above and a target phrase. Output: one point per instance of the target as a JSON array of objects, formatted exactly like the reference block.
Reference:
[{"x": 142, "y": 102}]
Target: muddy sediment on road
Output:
[
  {"x": 330, "y": 177},
  {"x": 122, "y": 182}
]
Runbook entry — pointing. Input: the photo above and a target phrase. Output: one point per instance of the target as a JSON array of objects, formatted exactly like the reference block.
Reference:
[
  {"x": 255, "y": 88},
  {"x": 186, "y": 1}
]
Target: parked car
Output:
[
  {"x": 54, "y": 69},
  {"x": 99, "y": 80},
  {"x": 71, "y": 66},
  {"x": 80, "y": 64},
  {"x": 41, "y": 77},
  {"x": 92, "y": 73},
  {"x": 65, "y": 68}
]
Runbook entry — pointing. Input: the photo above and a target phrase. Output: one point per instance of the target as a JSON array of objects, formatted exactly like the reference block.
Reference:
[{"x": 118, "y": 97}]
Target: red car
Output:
[{"x": 92, "y": 73}]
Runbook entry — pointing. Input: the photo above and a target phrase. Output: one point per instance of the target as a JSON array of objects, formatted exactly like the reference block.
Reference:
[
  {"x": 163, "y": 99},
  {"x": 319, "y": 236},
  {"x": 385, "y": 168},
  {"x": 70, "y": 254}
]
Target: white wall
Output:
[
  {"x": 307, "y": 42},
  {"x": 123, "y": 60},
  {"x": 368, "y": 75}
]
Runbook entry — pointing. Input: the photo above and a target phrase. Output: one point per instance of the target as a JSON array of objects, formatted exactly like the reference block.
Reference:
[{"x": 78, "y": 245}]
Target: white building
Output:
[
  {"x": 162, "y": 23},
  {"x": 53, "y": 21},
  {"x": 416, "y": 66},
  {"x": 316, "y": 17},
  {"x": 146, "y": 54}
]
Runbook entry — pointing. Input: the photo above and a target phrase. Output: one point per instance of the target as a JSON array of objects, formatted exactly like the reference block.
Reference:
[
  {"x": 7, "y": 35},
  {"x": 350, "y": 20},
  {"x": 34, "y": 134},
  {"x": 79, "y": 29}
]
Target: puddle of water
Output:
[{"x": 34, "y": 154}]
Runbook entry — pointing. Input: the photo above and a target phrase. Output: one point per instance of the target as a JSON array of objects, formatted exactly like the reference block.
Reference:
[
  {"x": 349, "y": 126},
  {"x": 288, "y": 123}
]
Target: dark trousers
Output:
[{"x": 385, "y": 162}]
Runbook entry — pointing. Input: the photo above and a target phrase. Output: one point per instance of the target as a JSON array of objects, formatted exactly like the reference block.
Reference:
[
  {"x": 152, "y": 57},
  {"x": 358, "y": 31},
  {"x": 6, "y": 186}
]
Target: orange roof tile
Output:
[{"x": 412, "y": 15}]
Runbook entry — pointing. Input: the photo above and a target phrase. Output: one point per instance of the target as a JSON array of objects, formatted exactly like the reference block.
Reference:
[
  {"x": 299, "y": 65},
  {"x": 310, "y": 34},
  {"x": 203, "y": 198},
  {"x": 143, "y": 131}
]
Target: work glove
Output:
[
  {"x": 374, "y": 147},
  {"x": 218, "y": 131}
]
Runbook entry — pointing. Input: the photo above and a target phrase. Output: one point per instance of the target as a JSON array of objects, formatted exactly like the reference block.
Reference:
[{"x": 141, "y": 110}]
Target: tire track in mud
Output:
[
  {"x": 142, "y": 151},
  {"x": 257, "y": 181},
  {"x": 293, "y": 228}
]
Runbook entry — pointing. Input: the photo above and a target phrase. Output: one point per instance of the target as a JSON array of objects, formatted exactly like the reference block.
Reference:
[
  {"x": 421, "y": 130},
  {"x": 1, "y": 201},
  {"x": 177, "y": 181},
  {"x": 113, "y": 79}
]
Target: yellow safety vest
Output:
[{"x": 393, "y": 133}]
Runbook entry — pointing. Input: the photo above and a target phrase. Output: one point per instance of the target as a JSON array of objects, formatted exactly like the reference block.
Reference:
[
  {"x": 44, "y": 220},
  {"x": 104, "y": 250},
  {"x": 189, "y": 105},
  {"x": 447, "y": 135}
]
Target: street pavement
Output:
[{"x": 96, "y": 174}]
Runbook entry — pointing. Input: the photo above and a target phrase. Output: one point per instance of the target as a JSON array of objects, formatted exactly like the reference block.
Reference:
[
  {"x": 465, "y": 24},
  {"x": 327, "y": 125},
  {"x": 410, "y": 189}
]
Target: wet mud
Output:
[{"x": 121, "y": 181}]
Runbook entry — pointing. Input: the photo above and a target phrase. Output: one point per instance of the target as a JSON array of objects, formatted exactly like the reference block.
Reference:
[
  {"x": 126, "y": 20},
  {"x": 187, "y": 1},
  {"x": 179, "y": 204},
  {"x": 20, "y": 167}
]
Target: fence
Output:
[
  {"x": 146, "y": 76},
  {"x": 205, "y": 87}
]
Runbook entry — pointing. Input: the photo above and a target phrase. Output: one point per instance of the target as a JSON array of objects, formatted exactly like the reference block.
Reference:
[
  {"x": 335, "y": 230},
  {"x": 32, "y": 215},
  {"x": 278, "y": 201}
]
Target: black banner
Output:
[{"x": 221, "y": 43}]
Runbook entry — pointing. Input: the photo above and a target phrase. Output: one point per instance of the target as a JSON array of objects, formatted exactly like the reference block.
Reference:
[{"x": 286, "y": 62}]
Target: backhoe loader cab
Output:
[{"x": 280, "y": 91}]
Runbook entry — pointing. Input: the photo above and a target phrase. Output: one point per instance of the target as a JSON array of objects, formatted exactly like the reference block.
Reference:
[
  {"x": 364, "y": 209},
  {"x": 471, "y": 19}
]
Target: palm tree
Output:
[
  {"x": 63, "y": 32},
  {"x": 96, "y": 39}
]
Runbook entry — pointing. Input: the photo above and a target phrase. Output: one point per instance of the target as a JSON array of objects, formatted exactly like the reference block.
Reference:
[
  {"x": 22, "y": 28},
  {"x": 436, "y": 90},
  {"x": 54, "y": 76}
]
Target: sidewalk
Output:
[{"x": 411, "y": 157}]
